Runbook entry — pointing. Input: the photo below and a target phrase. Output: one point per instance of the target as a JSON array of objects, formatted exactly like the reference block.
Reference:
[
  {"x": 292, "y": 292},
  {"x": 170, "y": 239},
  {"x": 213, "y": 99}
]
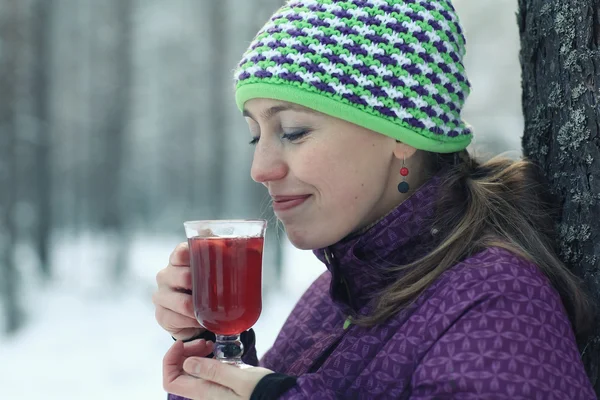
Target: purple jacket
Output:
[{"x": 491, "y": 327}]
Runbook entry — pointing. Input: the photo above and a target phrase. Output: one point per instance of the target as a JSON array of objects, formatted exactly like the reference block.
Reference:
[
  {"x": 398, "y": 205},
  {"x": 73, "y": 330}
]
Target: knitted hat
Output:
[{"x": 391, "y": 66}]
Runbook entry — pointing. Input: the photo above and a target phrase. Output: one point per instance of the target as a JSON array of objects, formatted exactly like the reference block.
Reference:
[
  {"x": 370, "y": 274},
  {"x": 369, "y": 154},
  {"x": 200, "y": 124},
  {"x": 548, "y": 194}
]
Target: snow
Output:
[{"x": 87, "y": 340}]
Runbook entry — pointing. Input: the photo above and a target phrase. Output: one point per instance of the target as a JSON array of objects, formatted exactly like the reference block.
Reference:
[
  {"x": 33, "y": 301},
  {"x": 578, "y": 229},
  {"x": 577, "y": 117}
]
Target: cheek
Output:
[{"x": 344, "y": 180}]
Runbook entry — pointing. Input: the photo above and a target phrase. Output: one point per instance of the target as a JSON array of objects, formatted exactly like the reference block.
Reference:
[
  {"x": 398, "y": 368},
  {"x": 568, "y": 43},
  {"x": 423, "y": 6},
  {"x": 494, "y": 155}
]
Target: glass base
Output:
[{"x": 229, "y": 350}]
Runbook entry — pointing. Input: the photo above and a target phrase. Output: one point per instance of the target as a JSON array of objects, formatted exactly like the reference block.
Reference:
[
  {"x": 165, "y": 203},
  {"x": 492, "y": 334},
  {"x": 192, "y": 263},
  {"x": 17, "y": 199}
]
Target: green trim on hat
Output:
[{"x": 423, "y": 140}]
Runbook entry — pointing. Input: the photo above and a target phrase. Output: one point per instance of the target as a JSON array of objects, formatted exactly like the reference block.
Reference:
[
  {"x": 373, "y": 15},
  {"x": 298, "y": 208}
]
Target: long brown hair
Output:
[{"x": 502, "y": 203}]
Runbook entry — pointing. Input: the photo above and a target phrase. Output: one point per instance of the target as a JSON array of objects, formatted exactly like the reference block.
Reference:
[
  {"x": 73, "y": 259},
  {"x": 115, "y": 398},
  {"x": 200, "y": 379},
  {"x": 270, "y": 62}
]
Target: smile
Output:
[{"x": 285, "y": 203}]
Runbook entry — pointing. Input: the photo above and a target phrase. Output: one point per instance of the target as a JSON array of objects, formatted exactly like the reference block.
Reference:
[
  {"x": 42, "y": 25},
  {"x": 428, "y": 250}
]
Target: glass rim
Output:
[{"x": 226, "y": 221}]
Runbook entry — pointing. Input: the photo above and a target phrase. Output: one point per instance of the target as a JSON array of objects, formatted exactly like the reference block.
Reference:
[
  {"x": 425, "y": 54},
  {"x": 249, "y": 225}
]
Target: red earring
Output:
[{"x": 403, "y": 186}]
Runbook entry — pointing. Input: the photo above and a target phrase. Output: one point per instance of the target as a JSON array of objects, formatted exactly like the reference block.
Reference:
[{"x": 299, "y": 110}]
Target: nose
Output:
[{"x": 268, "y": 164}]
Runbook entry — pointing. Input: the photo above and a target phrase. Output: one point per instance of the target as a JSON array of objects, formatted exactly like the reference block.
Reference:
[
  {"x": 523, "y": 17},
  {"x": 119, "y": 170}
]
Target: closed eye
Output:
[
  {"x": 295, "y": 135},
  {"x": 254, "y": 140}
]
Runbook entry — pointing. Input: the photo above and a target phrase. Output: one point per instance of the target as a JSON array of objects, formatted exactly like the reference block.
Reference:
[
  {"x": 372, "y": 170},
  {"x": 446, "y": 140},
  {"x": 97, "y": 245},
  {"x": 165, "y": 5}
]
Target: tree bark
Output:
[
  {"x": 9, "y": 43},
  {"x": 560, "y": 59}
]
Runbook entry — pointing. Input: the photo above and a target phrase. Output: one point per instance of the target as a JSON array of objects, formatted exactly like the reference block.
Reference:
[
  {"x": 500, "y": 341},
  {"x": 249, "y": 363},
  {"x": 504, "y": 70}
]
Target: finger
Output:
[
  {"x": 173, "y": 364},
  {"x": 198, "y": 389},
  {"x": 180, "y": 257},
  {"x": 180, "y": 303},
  {"x": 198, "y": 348},
  {"x": 214, "y": 371},
  {"x": 175, "y": 278},
  {"x": 173, "y": 322}
]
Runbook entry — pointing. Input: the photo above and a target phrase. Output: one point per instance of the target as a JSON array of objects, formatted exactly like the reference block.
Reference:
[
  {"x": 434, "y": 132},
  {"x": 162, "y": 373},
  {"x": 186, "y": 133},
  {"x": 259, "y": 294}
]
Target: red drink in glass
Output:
[{"x": 227, "y": 282}]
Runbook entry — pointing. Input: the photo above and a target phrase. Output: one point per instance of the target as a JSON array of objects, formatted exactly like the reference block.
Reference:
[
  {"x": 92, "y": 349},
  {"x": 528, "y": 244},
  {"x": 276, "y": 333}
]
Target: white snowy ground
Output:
[{"x": 85, "y": 341}]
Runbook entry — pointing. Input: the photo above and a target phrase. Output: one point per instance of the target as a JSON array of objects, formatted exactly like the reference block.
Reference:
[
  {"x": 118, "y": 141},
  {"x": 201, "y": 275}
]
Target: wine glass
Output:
[{"x": 226, "y": 265}]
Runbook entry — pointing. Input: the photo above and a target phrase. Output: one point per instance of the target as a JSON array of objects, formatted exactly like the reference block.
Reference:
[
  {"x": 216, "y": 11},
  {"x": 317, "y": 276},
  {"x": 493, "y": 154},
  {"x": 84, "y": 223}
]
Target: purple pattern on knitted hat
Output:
[
  {"x": 354, "y": 99},
  {"x": 295, "y": 32},
  {"x": 405, "y": 102},
  {"x": 342, "y": 14},
  {"x": 335, "y": 59},
  {"x": 386, "y": 111},
  {"x": 258, "y": 58},
  {"x": 348, "y": 30},
  {"x": 327, "y": 40},
  {"x": 433, "y": 78},
  {"x": 345, "y": 79},
  {"x": 276, "y": 44},
  {"x": 263, "y": 74},
  {"x": 394, "y": 81},
  {"x": 275, "y": 29},
  {"x": 291, "y": 77},
  {"x": 303, "y": 49},
  {"x": 398, "y": 27},
  {"x": 361, "y": 3},
  {"x": 404, "y": 48},
  {"x": 369, "y": 20},
  {"x": 363, "y": 69},
  {"x": 376, "y": 38},
  {"x": 414, "y": 16},
  {"x": 385, "y": 59},
  {"x": 283, "y": 60},
  {"x": 428, "y": 58},
  {"x": 449, "y": 88},
  {"x": 376, "y": 91},
  {"x": 319, "y": 22},
  {"x": 324, "y": 87},
  {"x": 415, "y": 122},
  {"x": 356, "y": 49},
  {"x": 421, "y": 36},
  {"x": 313, "y": 68}
]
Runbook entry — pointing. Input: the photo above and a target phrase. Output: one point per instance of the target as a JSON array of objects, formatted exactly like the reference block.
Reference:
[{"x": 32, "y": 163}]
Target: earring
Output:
[{"x": 403, "y": 186}]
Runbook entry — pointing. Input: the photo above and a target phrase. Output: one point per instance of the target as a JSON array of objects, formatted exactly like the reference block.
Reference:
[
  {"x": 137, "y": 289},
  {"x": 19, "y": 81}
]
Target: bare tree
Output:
[
  {"x": 9, "y": 42},
  {"x": 560, "y": 57}
]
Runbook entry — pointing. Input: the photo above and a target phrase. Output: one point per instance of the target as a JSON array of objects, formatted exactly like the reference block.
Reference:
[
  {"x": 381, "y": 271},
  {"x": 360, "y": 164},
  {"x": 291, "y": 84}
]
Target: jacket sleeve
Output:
[{"x": 504, "y": 336}]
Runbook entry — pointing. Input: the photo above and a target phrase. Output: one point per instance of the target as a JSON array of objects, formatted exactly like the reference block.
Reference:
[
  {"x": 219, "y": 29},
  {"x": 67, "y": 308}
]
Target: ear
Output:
[{"x": 402, "y": 151}]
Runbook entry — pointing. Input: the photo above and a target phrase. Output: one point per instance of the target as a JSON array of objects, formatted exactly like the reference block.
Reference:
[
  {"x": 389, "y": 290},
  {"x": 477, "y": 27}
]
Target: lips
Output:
[{"x": 284, "y": 203}]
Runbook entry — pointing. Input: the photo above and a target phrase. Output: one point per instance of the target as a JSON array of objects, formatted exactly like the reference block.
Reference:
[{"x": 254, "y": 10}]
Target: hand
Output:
[
  {"x": 173, "y": 299},
  {"x": 187, "y": 374}
]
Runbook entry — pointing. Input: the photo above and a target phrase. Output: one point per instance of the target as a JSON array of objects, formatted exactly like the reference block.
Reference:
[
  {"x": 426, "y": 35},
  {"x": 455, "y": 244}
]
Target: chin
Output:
[{"x": 307, "y": 239}]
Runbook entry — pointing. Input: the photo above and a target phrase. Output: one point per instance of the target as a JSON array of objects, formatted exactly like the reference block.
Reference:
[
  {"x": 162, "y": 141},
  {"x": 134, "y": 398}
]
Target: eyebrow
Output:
[{"x": 271, "y": 112}]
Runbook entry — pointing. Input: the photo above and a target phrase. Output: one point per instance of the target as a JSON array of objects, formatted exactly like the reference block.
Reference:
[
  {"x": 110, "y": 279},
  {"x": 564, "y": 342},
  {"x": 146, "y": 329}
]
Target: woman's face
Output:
[{"x": 327, "y": 177}]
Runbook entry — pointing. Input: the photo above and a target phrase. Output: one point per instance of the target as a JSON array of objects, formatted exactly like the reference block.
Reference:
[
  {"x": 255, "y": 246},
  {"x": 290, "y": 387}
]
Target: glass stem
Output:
[{"x": 229, "y": 349}]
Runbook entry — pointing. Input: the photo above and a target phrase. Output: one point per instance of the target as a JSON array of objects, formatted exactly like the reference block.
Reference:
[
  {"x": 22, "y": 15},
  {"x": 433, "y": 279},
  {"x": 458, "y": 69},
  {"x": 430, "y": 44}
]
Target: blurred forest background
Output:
[{"x": 118, "y": 123}]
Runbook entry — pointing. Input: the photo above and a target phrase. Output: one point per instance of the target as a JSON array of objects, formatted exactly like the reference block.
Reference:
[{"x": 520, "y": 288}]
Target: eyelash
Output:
[{"x": 288, "y": 136}]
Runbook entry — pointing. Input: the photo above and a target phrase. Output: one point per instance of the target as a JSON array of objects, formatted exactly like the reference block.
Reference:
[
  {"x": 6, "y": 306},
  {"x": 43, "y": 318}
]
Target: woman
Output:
[{"x": 442, "y": 279}]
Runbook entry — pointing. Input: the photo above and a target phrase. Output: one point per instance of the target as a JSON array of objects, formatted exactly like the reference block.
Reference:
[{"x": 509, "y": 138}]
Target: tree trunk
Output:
[
  {"x": 43, "y": 175},
  {"x": 218, "y": 75},
  {"x": 114, "y": 219},
  {"x": 9, "y": 43},
  {"x": 560, "y": 58}
]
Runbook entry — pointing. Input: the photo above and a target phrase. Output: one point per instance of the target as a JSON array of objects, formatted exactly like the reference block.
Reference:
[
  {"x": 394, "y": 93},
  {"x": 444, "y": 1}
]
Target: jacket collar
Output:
[{"x": 358, "y": 262}]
